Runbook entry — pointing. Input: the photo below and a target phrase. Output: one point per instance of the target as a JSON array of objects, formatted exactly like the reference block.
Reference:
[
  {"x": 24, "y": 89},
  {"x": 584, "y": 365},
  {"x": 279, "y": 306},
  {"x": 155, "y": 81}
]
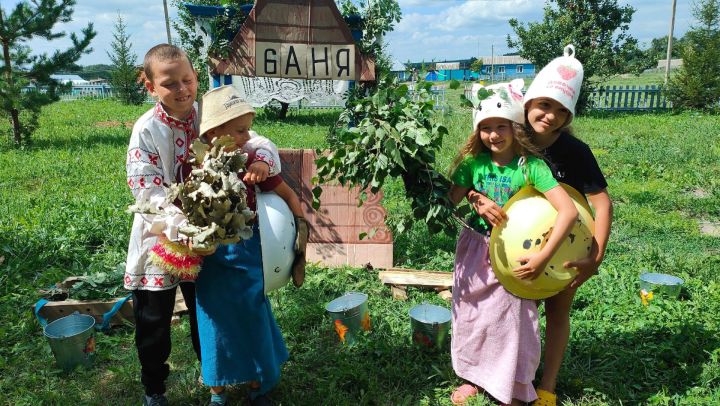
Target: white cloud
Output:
[
  {"x": 478, "y": 14},
  {"x": 461, "y": 30}
]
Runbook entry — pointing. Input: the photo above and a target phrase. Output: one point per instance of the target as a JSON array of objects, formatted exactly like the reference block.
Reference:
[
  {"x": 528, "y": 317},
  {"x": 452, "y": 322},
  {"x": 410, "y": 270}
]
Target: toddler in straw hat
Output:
[
  {"x": 240, "y": 341},
  {"x": 495, "y": 341}
]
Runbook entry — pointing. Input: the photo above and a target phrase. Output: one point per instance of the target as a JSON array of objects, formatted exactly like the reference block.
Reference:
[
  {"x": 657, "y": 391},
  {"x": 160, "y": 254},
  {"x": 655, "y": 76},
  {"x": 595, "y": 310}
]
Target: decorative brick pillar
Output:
[{"x": 336, "y": 227}]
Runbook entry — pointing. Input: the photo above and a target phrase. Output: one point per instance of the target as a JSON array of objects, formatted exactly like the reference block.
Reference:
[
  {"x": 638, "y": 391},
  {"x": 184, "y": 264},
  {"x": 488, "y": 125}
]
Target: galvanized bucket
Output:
[
  {"x": 430, "y": 325},
  {"x": 658, "y": 283},
  {"x": 350, "y": 315},
  {"x": 72, "y": 340}
]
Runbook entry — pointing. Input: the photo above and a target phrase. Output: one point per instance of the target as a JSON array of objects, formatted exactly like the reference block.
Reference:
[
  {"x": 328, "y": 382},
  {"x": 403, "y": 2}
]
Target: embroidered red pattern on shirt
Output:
[
  {"x": 144, "y": 181},
  {"x": 186, "y": 127},
  {"x": 262, "y": 155},
  {"x": 139, "y": 155}
]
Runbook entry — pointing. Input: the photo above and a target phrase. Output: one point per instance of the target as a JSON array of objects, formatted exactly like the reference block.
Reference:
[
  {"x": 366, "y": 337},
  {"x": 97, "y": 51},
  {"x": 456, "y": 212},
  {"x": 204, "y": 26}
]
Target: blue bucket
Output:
[{"x": 72, "y": 340}]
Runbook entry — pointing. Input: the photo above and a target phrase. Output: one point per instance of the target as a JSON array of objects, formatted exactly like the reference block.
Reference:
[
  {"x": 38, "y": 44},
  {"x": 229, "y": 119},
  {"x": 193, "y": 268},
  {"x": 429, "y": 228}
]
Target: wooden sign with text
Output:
[
  {"x": 302, "y": 61},
  {"x": 298, "y": 39}
]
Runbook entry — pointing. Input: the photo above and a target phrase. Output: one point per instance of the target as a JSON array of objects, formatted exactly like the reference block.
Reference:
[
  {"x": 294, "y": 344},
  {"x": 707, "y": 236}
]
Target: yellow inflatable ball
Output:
[{"x": 530, "y": 221}]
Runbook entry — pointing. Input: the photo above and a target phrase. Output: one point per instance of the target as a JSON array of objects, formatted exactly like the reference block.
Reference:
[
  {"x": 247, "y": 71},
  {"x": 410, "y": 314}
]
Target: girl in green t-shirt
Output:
[{"x": 495, "y": 342}]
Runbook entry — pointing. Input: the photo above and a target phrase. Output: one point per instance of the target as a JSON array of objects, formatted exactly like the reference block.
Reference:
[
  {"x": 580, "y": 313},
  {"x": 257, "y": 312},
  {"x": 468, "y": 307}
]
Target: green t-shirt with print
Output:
[{"x": 499, "y": 183}]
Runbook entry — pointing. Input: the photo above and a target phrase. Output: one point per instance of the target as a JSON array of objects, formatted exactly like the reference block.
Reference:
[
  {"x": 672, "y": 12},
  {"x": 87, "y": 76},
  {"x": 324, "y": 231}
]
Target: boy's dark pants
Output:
[{"x": 153, "y": 311}]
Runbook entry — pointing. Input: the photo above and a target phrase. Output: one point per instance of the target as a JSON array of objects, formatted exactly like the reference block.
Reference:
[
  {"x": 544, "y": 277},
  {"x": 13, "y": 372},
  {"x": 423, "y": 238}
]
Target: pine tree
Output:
[
  {"x": 19, "y": 68},
  {"x": 124, "y": 75},
  {"x": 696, "y": 84}
]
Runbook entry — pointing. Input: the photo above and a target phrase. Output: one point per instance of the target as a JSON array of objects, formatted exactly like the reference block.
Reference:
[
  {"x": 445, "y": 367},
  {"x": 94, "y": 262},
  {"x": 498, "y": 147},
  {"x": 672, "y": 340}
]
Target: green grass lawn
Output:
[{"x": 62, "y": 213}]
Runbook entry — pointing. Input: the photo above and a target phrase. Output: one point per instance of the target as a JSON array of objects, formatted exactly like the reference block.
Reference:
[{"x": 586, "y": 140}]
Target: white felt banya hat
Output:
[
  {"x": 559, "y": 80},
  {"x": 502, "y": 100}
]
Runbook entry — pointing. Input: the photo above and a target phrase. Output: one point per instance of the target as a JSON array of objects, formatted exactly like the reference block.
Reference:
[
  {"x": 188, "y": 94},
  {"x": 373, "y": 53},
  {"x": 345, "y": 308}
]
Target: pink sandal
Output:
[{"x": 463, "y": 393}]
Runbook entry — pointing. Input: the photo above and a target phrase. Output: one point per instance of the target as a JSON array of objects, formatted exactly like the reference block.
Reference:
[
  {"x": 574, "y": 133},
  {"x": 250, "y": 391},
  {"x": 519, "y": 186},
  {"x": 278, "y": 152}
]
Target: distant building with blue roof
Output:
[
  {"x": 401, "y": 71},
  {"x": 499, "y": 68}
]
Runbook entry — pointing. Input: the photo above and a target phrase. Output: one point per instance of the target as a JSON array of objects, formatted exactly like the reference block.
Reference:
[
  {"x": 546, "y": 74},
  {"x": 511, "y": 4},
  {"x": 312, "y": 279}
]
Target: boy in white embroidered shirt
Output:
[{"x": 157, "y": 152}]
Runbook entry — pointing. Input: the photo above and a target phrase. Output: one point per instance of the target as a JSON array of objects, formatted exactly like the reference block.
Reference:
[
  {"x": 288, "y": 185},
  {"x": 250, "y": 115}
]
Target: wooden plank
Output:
[
  {"x": 412, "y": 277},
  {"x": 642, "y": 98},
  {"x": 652, "y": 97},
  {"x": 604, "y": 97},
  {"x": 54, "y": 310},
  {"x": 96, "y": 308}
]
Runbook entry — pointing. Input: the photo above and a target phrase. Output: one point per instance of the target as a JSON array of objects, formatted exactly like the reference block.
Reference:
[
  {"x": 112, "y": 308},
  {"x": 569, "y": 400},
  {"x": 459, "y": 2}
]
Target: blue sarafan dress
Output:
[{"x": 239, "y": 338}]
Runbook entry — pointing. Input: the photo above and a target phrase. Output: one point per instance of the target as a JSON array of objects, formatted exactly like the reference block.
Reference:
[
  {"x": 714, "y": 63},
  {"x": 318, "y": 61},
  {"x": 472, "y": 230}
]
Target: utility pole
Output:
[
  {"x": 492, "y": 63},
  {"x": 167, "y": 21},
  {"x": 669, "y": 46},
  {"x": 479, "y": 57}
]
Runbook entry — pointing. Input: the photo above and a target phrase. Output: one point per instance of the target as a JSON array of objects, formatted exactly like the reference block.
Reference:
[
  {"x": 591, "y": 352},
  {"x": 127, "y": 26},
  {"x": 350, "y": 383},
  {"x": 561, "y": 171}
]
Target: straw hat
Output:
[
  {"x": 530, "y": 221},
  {"x": 504, "y": 102},
  {"x": 559, "y": 80},
  {"x": 220, "y": 105}
]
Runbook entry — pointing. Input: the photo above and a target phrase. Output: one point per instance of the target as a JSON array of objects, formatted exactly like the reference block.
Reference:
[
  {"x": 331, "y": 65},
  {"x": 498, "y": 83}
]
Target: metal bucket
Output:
[
  {"x": 350, "y": 315},
  {"x": 72, "y": 340},
  {"x": 430, "y": 325},
  {"x": 658, "y": 283}
]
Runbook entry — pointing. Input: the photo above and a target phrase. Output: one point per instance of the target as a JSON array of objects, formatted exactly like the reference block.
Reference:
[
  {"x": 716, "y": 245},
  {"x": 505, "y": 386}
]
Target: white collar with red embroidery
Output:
[{"x": 171, "y": 121}]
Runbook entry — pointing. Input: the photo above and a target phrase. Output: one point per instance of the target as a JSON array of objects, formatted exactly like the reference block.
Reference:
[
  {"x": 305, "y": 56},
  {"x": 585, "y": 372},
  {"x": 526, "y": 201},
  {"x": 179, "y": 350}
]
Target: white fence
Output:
[{"x": 77, "y": 92}]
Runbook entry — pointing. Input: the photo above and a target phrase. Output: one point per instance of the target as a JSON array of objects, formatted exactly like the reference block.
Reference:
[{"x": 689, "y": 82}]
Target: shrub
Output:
[{"x": 696, "y": 85}]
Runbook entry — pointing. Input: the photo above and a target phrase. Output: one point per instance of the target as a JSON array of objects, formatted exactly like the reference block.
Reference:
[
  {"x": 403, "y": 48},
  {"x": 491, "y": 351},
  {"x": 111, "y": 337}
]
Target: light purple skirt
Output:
[{"x": 495, "y": 339}]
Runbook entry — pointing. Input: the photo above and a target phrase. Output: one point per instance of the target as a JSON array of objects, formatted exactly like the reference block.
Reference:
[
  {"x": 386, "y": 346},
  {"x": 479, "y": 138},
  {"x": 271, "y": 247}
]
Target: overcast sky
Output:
[{"x": 430, "y": 29}]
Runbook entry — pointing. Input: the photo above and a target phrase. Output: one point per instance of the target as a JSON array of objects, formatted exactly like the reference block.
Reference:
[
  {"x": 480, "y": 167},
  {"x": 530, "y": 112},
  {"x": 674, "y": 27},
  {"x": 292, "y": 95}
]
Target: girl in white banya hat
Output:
[
  {"x": 495, "y": 340},
  {"x": 549, "y": 108}
]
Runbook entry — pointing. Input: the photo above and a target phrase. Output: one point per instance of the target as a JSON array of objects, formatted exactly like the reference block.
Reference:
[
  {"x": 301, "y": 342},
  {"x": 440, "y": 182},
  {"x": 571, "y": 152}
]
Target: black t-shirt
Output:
[{"x": 572, "y": 162}]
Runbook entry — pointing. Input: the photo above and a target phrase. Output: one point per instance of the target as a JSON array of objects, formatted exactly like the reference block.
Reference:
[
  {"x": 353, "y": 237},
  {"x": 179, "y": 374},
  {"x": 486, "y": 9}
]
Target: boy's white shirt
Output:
[{"x": 156, "y": 152}]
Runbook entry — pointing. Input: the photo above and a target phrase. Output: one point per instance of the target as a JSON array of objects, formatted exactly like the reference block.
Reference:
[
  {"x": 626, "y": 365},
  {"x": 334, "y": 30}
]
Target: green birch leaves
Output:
[{"x": 390, "y": 132}]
